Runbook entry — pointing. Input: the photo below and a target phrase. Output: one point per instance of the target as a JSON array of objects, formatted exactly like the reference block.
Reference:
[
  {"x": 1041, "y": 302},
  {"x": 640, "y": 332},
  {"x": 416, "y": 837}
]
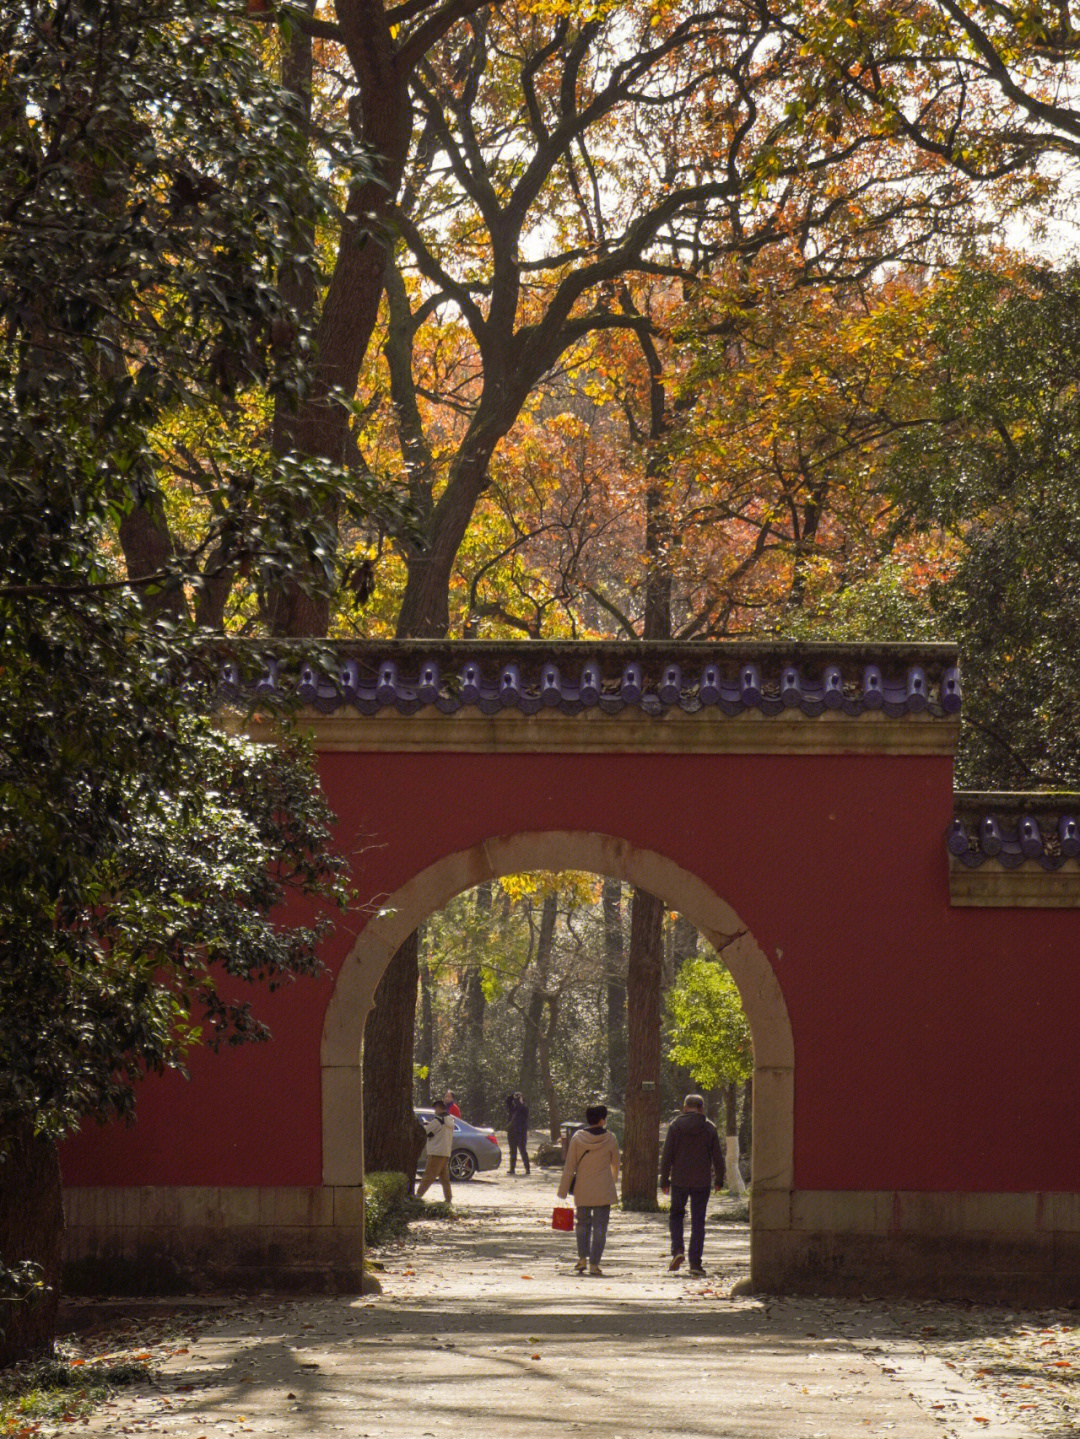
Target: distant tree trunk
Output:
[
  {"x": 534, "y": 1015},
  {"x": 684, "y": 943},
  {"x": 615, "y": 967},
  {"x": 731, "y": 1109},
  {"x": 734, "y": 1179},
  {"x": 389, "y": 1124},
  {"x": 642, "y": 1149},
  {"x": 475, "y": 1006},
  {"x": 31, "y": 1228},
  {"x": 475, "y": 1104},
  {"x": 543, "y": 1054},
  {"x": 425, "y": 1057},
  {"x": 746, "y": 1124},
  {"x": 534, "y": 1018}
]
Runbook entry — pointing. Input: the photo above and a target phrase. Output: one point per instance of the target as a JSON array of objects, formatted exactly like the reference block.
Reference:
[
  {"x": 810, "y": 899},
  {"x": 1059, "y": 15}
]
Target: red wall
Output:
[{"x": 928, "y": 1040}]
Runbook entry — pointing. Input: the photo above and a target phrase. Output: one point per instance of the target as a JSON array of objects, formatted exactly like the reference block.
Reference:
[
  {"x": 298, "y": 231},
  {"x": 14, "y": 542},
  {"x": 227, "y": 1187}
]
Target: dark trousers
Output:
[
  {"x": 699, "y": 1199},
  {"x": 592, "y": 1223},
  {"x": 517, "y": 1146}
]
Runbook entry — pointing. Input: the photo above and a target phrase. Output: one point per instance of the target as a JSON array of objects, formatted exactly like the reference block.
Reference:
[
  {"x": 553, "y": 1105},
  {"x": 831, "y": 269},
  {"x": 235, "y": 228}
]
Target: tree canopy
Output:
[
  {"x": 149, "y": 173},
  {"x": 707, "y": 1030}
]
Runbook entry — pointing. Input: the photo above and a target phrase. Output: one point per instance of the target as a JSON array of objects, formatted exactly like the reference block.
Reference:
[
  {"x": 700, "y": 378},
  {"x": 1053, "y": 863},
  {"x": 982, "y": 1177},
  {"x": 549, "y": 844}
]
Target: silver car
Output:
[{"x": 473, "y": 1148}]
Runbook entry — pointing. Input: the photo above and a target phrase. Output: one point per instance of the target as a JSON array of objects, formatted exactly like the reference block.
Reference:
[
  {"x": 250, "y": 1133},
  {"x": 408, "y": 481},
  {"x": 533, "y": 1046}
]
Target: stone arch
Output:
[{"x": 602, "y": 854}]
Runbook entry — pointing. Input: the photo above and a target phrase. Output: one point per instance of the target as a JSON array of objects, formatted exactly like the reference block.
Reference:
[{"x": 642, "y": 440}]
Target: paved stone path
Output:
[{"x": 483, "y": 1329}]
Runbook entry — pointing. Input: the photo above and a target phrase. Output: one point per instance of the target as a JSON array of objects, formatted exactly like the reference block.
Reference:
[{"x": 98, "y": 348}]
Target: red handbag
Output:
[{"x": 562, "y": 1217}]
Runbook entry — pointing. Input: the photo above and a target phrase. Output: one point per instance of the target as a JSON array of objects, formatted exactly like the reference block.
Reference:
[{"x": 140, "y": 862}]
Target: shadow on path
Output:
[{"x": 484, "y": 1329}]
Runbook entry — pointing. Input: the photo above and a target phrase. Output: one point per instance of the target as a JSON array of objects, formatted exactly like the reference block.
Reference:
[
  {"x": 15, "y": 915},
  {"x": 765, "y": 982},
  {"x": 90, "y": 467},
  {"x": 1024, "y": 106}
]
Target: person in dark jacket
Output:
[
  {"x": 692, "y": 1155},
  {"x": 517, "y": 1130}
]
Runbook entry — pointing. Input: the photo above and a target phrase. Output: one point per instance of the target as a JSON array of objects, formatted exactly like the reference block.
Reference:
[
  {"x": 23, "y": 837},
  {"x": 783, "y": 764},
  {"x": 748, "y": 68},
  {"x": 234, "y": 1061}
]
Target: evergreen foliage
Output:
[
  {"x": 707, "y": 1029},
  {"x": 150, "y": 176}
]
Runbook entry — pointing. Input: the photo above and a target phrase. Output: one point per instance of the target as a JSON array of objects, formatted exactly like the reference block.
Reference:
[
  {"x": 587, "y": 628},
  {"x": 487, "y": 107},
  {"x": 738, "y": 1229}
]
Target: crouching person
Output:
[{"x": 440, "y": 1143}]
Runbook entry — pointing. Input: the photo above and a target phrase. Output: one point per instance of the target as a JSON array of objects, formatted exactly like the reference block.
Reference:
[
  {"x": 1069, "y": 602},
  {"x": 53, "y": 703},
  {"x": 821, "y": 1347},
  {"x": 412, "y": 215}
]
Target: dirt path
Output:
[{"x": 483, "y": 1329}]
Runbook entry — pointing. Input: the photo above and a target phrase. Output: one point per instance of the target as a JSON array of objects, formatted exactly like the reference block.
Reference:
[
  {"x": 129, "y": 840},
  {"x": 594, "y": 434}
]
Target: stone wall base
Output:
[
  {"x": 1018, "y": 1249},
  {"x": 992, "y": 1248},
  {"x": 204, "y": 1240}
]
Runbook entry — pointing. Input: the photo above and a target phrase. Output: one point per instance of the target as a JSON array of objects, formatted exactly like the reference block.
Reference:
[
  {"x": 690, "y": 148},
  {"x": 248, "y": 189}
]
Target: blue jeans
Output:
[
  {"x": 592, "y": 1222},
  {"x": 699, "y": 1199}
]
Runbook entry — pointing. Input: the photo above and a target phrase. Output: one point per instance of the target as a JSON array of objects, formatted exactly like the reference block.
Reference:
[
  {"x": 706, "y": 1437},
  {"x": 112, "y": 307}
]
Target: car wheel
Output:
[{"x": 462, "y": 1164}]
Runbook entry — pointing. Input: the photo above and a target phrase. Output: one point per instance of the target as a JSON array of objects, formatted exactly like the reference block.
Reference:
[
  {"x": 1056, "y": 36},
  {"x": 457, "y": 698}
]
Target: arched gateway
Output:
[{"x": 916, "y": 1126}]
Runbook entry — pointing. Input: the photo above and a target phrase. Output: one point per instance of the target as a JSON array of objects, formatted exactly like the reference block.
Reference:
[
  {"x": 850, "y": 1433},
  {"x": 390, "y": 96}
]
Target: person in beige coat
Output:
[
  {"x": 440, "y": 1145},
  {"x": 590, "y": 1174}
]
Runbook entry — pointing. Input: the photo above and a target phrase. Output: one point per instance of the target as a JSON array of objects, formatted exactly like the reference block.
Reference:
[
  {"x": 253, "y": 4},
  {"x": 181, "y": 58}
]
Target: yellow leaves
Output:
[
  {"x": 583, "y": 12},
  {"x": 573, "y": 888}
]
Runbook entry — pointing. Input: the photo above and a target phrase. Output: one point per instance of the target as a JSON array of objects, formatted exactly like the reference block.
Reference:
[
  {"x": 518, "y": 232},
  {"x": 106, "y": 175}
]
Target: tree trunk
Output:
[
  {"x": 658, "y": 540},
  {"x": 425, "y": 1057},
  {"x": 534, "y": 1015},
  {"x": 475, "y": 1007},
  {"x": 615, "y": 965},
  {"x": 31, "y": 1228},
  {"x": 644, "y": 976},
  {"x": 290, "y": 609},
  {"x": 425, "y": 606},
  {"x": 389, "y": 1123},
  {"x": 473, "y": 1088},
  {"x": 734, "y": 1179},
  {"x": 684, "y": 942},
  {"x": 746, "y": 1125},
  {"x": 317, "y": 428},
  {"x": 425, "y": 613},
  {"x": 148, "y": 549},
  {"x": 642, "y": 1149},
  {"x": 543, "y": 1054}
]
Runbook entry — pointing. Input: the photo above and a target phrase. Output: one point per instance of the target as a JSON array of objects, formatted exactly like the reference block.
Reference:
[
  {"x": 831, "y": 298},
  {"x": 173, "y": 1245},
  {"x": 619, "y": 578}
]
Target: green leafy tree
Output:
[
  {"x": 150, "y": 176},
  {"x": 994, "y": 468},
  {"x": 707, "y": 1030}
]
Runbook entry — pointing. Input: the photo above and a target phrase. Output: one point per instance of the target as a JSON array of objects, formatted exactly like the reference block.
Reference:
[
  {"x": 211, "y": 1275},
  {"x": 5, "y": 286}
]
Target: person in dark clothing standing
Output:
[
  {"x": 517, "y": 1130},
  {"x": 692, "y": 1155}
]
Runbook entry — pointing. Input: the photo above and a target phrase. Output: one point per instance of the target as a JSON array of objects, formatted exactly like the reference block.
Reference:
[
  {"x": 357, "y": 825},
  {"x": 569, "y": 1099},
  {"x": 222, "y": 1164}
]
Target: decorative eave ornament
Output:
[
  {"x": 650, "y": 677},
  {"x": 1016, "y": 828}
]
